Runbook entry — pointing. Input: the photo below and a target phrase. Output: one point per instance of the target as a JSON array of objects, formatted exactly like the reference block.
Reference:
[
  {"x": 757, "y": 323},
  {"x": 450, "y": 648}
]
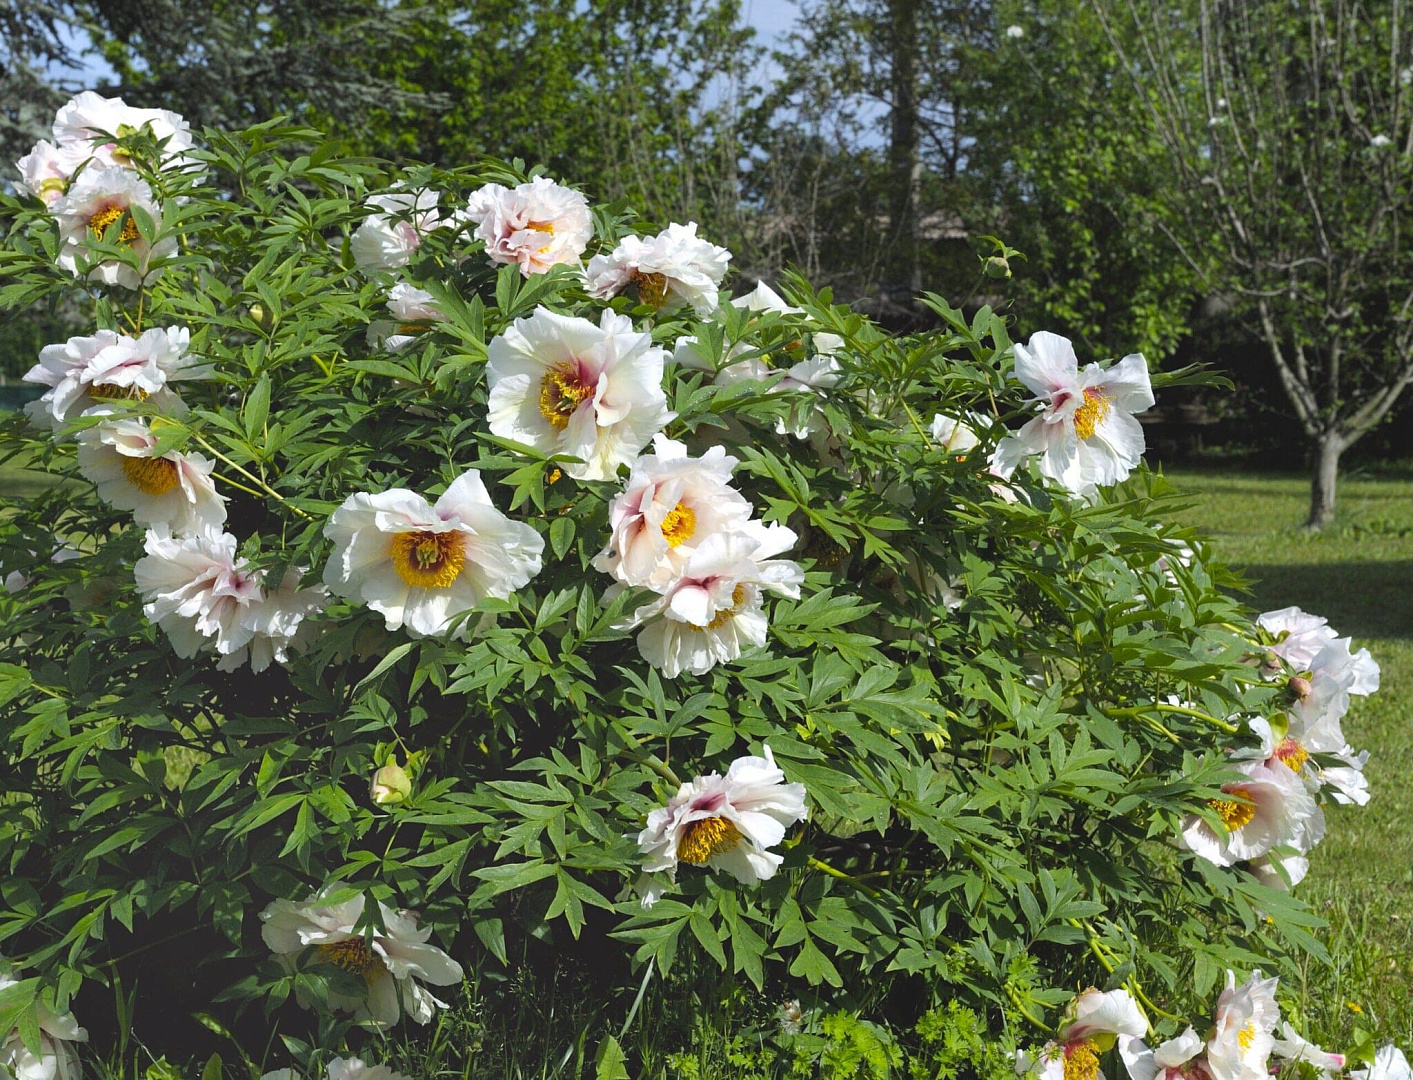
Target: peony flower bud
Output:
[
  {"x": 1300, "y": 687},
  {"x": 998, "y": 267},
  {"x": 390, "y": 786}
]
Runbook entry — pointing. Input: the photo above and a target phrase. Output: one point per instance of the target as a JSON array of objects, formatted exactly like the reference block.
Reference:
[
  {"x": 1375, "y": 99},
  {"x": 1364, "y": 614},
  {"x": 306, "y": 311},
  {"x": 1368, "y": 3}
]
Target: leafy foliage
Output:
[{"x": 994, "y": 787}]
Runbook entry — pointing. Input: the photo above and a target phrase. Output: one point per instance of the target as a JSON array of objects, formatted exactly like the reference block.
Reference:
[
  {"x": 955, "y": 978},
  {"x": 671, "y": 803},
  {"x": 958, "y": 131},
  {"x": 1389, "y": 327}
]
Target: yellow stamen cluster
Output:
[
  {"x": 150, "y": 475},
  {"x": 725, "y": 615},
  {"x": 679, "y": 524},
  {"x": 1293, "y": 754},
  {"x": 109, "y": 392},
  {"x": 561, "y": 392},
  {"x": 1081, "y": 1061},
  {"x": 1091, "y": 414},
  {"x": 705, "y": 838},
  {"x": 1234, "y": 812},
  {"x": 428, "y": 560},
  {"x": 652, "y": 288},
  {"x": 354, "y": 955},
  {"x": 1246, "y": 1037},
  {"x": 99, "y": 222}
]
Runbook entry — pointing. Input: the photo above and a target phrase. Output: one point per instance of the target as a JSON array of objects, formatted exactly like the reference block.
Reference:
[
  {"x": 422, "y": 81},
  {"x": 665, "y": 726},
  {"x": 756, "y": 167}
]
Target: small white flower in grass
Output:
[
  {"x": 712, "y": 611},
  {"x": 566, "y": 386},
  {"x": 670, "y": 505},
  {"x": 55, "y": 1058},
  {"x": 1270, "y": 808},
  {"x": 1172, "y": 1060},
  {"x": 173, "y": 489},
  {"x": 414, "y": 311},
  {"x": 1389, "y": 1064},
  {"x": 1243, "y": 1031},
  {"x": 535, "y": 225},
  {"x": 421, "y": 565},
  {"x": 1093, "y": 1020},
  {"x": 85, "y": 118},
  {"x": 85, "y": 372},
  {"x": 46, "y": 170},
  {"x": 198, "y": 591},
  {"x": 672, "y": 268},
  {"x": 1085, "y": 435},
  {"x": 388, "y": 240},
  {"x": 99, "y": 201},
  {"x": 1378, "y": 142},
  {"x": 392, "y": 962},
  {"x": 1015, "y": 32},
  {"x": 1294, "y": 1048},
  {"x": 724, "y": 823}
]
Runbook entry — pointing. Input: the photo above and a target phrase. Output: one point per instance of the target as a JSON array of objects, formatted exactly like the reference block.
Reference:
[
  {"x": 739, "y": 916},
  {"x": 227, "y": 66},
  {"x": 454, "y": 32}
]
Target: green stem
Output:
[
  {"x": 824, "y": 868},
  {"x": 264, "y": 487},
  {"x": 1179, "y": 710},
  {"x": 1020, "y": 1007}
]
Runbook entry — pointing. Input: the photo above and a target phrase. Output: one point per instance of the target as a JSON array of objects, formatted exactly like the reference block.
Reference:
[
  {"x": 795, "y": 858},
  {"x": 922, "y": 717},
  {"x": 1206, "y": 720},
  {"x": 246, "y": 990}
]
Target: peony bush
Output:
[{"x": 443, "y": 574}]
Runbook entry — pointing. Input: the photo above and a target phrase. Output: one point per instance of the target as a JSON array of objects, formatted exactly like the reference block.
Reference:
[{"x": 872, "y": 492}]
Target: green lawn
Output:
[{"x": 1359, "y": 574}]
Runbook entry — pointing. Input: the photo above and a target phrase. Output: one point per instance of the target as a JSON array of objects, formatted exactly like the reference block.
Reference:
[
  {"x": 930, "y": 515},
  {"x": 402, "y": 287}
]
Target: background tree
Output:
[
  {"x": 1290, "y": 140},
  {"x": 1066, "y": 167}
]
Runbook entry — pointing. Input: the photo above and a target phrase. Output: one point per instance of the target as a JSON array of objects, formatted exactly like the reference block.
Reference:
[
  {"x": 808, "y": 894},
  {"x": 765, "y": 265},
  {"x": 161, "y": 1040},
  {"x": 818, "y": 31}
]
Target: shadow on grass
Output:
[{"x": 1363, "y": 599}]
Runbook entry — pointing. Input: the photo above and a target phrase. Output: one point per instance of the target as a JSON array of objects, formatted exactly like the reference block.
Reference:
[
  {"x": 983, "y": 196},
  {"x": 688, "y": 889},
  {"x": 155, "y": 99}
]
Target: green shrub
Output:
[{"x": 996, "y": 703}]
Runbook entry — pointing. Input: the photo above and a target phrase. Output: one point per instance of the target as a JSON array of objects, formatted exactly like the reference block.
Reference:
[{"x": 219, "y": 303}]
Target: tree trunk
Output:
[
  {"x": 903, "y": 162},
  {"x": 1323, "y": 478}
]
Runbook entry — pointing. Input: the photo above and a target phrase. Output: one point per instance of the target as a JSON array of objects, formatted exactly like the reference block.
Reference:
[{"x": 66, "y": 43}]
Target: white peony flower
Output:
[
  {"x": 85, "y": 118},
  {"x": 1168, "y": 1062},
  {"x": 85, "y": 372},
  {"x": 356, "y": 1069},
  {"x": 1282, "y": 872},
  {"x": 276, "y": 622},
  {"x": 393, "y": 961},
  {"x": 724, "y": 823},
  {"x": 1091, "y": 1022},
  {"x": 1293, "y": 1048},
  {"x": 198, "y": 591},
  {"x": 388, "y": 240},
  {"x": 1102, "y": 1012},
  {"x": 674, "y": 267},
  {"x": 670, "y": 505},
  {"x": 1086, "y": 435},
  {"x": 1243, "y": 1030},
  {"x": 1270, "y": 808},
  {"x": 566, "y": 386},
  {"x": 1301, "y": 635},
  {"x": 174, "y": 489},
  {"x": 421, "y": 565},
  {"x": 957, "y": 436},
  {"x": 56, "y": 1058},
  {"x": 535, "y": 225},
  {"x": 1335, "y": 661},
  {"x": 414, "y": 311},
  {"x": 46, "y": 170},
  {"x": 712, "y": 610},
  {"x": 1389, "y": 1064},
  {"x": 764, "y": 298},
  {"x": 98, "y": 200},
  {"x": 1380, "y": 141},
  {"x": 1348, "y": 780}
]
